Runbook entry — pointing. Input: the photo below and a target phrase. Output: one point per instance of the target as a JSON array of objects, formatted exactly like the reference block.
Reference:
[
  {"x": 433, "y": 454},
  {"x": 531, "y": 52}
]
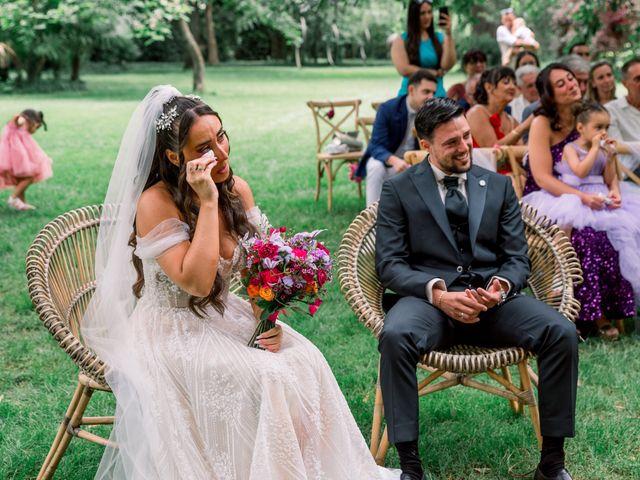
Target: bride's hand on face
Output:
[
  {"x": 271, "y": 339},
  {"x": 199, "y": 177}
]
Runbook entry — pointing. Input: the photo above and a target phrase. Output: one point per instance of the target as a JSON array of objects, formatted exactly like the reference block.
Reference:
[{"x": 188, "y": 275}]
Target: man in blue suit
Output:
[{"x": 393, "y": 134}]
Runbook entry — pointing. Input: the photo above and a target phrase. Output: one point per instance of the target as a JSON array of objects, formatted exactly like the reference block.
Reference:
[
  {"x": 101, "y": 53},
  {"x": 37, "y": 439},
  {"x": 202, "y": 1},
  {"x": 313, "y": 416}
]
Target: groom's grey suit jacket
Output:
[{"x": 415, "y": 243}]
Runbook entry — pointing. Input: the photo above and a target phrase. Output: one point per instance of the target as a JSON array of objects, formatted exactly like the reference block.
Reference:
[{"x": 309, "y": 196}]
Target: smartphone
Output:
[{"x": 443, "y": 11}]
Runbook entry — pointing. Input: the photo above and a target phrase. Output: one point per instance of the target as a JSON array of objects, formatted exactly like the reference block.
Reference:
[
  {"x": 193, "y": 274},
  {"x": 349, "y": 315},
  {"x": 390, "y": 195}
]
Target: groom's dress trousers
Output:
[{"x": 430, "y": 232}]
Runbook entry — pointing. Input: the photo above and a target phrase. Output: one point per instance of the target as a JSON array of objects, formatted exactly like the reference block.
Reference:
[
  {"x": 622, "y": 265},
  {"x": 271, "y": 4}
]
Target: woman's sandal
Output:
[{"x": 608, "y": 332}]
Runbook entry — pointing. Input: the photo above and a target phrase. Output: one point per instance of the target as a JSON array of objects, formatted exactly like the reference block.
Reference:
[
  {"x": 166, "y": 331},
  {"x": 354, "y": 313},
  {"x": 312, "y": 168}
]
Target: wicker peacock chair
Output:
[
  {"x": 554, "y": 271},
  {"x": 61, "y": 279}
]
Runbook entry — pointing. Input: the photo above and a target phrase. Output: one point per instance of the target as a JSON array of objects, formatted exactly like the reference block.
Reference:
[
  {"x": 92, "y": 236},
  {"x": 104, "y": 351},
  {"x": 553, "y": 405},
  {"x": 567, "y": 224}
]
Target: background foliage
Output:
[{"x": 52, "y": 37}]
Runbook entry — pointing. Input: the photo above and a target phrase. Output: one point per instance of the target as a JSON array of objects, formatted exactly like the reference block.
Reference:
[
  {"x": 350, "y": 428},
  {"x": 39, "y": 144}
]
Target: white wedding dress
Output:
[{"x": 213, "y": 408}]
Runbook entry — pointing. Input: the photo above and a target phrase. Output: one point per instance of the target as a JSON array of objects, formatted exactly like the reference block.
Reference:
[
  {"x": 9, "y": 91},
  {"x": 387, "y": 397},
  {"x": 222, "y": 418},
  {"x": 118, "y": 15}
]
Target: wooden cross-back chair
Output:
[
  {"x": 554, "y": 271},
  {"x": 345, "y": 118},
  {"x": 366, "y": 126}
]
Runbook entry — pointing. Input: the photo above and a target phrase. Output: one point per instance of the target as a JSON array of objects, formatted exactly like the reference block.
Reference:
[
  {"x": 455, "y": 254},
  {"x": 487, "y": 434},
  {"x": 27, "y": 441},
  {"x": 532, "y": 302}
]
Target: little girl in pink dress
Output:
[{"x": 22, "y": 161}]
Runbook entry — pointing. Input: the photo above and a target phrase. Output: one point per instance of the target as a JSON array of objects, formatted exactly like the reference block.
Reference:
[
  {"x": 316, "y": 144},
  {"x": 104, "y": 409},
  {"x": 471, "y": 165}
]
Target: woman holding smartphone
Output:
[{"x": 421, "y": 47}]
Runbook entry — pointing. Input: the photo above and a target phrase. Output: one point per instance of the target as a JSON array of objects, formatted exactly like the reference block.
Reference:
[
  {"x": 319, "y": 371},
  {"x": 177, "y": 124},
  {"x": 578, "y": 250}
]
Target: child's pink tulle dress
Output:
[{"x": 21, "y": 156}]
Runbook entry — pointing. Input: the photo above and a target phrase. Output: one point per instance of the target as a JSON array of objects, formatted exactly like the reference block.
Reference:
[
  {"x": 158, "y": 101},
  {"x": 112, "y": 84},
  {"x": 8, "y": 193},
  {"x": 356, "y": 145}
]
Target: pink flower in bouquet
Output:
[
  {"x": 308, "y": 275},
  {"x": 300, "y": 253},
  {"x": 269, "y": 277},
  {"x": 313, "y": 308},
  {"x": 322, "y": 277},
  {"x": 268, "y": 250},
  {"x": 322, "y": 247}
]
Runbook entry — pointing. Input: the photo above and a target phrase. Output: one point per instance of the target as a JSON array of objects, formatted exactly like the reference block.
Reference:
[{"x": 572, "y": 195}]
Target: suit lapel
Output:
[
  {"x": 427, "y": 188},
  {"x": 477, "y": 186}
]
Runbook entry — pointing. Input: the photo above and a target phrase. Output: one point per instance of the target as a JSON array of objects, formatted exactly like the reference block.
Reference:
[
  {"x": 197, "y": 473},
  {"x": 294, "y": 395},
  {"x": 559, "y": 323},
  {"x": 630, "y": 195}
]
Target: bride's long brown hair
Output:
[{"x": 174, "y": 138}]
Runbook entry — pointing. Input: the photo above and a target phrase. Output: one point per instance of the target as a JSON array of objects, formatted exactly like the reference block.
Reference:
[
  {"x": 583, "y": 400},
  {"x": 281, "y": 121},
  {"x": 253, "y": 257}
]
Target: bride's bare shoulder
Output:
[
  {"x": 155, "y": 205},
  {"x": 242, "y": 188}
]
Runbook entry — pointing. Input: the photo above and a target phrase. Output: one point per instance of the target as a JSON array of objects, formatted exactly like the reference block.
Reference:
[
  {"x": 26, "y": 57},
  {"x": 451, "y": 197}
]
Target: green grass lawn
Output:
[{"x": 464, "y": 434}]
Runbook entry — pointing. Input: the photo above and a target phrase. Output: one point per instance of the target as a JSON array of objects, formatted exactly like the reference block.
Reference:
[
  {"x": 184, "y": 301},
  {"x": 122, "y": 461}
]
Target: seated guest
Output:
[
  {"x": 625, "y": 114},
  {"x": 581, "y": 49},
  {"x": 490, "y": 124},
  {"x": 526, "y": 81},
  {"x": 526, "y": 57},
  {"x": 580, "y": 69},
  {"x": 473, "y": 62},
  {"x": 392, "y": 134},
  {"x": 469, "y": 99},
  {"x": 605, "y": 294},
  {"x": 602, "y": 82},
  {"x": 457, "y": 272}
]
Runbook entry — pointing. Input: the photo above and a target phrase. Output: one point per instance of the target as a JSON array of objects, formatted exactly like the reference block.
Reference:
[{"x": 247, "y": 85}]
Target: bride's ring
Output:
[{"x": 461, "y": 315}]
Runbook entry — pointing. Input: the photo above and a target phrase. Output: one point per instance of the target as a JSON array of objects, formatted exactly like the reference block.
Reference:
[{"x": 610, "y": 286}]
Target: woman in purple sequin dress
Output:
[{"x": 605, "y": 293}]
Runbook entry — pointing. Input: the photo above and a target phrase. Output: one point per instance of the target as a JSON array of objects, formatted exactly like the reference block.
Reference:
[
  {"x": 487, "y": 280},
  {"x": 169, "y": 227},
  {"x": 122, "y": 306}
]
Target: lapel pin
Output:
[{"x": 483, "y": 183}]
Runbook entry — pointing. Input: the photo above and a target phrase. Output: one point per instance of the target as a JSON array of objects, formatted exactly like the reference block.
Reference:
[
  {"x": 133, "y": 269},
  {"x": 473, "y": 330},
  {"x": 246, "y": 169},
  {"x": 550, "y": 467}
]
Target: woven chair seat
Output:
[{"x": 472, "y": 359}]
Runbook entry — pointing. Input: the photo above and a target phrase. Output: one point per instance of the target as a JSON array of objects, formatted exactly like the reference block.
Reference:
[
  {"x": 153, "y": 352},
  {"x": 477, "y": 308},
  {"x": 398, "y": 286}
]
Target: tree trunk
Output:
[
  {"x": 213, "y": 57},
  {"x": 329, "y": 55},
  {"x": 297, "y": 56},
  {"x": 34, "y": 69},
  {"x": 195, "y": 54},
  {"x": 75, "y": 67}
]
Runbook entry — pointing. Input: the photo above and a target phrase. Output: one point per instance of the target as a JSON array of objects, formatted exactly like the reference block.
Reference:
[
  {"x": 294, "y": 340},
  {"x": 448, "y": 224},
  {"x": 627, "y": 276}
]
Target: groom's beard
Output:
[{"x": 456, "y": 163}]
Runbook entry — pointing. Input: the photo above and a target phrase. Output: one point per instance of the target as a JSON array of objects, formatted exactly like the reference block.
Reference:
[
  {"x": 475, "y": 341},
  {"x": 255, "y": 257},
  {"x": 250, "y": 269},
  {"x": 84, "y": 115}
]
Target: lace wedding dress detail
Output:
[{"x": 213, "y": 408}]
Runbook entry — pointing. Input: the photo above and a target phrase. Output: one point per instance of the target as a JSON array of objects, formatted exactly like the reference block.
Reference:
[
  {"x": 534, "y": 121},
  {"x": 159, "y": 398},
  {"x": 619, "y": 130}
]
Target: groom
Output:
[{"x": 451, "y": 245}]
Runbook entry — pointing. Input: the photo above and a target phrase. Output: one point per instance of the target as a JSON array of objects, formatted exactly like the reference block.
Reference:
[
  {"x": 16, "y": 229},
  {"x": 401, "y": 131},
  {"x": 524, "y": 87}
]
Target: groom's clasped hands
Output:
[{"x": 466, "y": 306}]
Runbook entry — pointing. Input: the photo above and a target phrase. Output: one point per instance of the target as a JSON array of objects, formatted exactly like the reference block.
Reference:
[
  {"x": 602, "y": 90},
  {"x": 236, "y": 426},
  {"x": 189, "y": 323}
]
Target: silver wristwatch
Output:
[{"x": 503, "y": 297}]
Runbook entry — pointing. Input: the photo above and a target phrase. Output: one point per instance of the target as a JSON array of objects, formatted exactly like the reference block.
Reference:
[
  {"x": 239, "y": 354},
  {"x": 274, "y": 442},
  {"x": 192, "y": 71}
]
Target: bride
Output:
[{"x": 193, "y": 401}]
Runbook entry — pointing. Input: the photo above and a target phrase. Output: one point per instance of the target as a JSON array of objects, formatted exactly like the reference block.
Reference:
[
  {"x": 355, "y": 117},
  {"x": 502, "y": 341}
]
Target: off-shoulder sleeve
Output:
[
  {"x": 162, "y": 237},
  {"x": 258, "y": 219}
]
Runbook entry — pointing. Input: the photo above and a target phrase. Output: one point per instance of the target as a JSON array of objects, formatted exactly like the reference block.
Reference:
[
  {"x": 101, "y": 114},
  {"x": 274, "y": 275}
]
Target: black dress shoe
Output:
[
  {"x": 562, "y": 475},
  {"x": 407, "y": 476}
]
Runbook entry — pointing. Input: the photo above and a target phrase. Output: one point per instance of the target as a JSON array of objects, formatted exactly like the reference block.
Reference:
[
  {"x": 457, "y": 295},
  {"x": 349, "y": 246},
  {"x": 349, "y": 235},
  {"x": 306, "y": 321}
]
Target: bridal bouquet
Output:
[{"x": 284, "y": 271}]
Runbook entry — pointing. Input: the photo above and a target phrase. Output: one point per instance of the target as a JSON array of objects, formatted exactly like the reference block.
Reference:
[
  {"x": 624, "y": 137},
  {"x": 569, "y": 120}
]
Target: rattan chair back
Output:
[
  {"x": 61, "y": 279},
  {"x": 343, "y": 117}
]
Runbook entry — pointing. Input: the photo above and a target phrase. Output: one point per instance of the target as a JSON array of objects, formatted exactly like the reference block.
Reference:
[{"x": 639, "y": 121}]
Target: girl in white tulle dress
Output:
[{"x": 193, "y": 400}]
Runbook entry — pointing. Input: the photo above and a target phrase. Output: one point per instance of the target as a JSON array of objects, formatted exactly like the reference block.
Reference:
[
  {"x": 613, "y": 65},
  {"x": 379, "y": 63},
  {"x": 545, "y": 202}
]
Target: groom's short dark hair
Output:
[{"x": 433, "y": 113}]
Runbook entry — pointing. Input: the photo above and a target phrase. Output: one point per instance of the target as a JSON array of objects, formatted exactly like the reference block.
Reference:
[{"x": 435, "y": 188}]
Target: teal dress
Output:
[{"x": 428, "y": 59}]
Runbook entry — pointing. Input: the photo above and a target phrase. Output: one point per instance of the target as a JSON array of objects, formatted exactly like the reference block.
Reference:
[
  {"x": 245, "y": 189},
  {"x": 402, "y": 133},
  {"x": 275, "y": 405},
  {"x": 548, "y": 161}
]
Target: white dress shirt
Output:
[
  {"x": 625, "y": 126},
  {"x": 625, "y": 120},
  {"x": 442, "y": 189}
]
